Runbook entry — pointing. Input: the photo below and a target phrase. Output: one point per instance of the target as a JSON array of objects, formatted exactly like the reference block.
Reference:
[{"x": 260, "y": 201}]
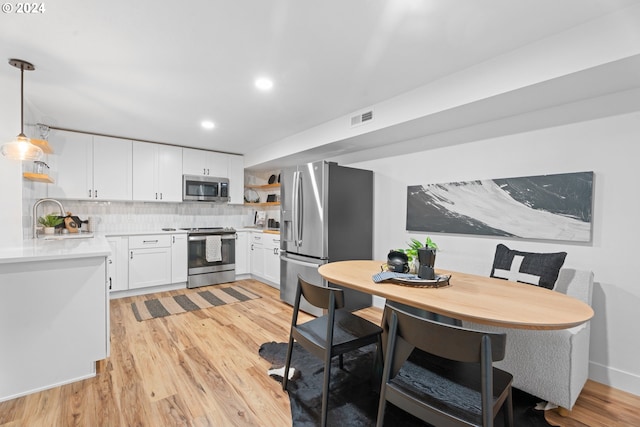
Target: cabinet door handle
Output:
[
  {"x": 149, "y": 241},
  {"x": 89, "y": 193},
  {"x": 96, "y": 194},
  {"x": 252, "y": 246},
  {"x": 156, "y": 196},
  {"x": 131, "y": 257},
  {"x": 160, "y": 196},
  {"x": 174, "y": 239}
]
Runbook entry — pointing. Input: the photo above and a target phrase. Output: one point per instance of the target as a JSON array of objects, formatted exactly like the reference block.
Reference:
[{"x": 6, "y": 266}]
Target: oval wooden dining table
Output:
[{"x": 469, "y": 297}]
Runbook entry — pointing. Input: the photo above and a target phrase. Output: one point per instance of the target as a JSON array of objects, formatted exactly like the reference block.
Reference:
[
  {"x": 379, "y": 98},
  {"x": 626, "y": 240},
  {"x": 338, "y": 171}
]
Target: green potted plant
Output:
[{"x": 50, "y": 222}]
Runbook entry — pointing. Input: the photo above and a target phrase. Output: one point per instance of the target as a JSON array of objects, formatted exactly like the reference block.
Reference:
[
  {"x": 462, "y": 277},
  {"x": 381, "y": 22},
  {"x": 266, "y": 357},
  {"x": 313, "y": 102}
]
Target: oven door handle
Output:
[{"x": 224, "y": 237}]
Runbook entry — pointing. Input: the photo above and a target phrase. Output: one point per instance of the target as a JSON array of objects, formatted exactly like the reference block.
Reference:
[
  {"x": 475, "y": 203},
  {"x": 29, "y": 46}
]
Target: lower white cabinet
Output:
[
  {"x": 117, "y": 264},
  {"x": 265, "y": 257},
  {"x": 243, "y": 253},
  {"x": 179, "y": 258},
  {"x": 257, "y": 255},
  {"x": 271, "y": 245},
  {"x": 149, "y": 261},
  {"x": 54, "y": 321}
]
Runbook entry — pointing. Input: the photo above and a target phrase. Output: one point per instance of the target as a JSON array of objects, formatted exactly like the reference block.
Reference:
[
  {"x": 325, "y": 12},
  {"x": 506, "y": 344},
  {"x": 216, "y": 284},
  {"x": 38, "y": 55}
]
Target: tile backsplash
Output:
[
  {"x": 122, "y": 217},
  {"x": 140, "y": 216}
]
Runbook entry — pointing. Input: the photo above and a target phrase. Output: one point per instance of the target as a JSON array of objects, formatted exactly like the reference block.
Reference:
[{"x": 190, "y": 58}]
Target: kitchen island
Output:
[{"x": 54, "y": 313}]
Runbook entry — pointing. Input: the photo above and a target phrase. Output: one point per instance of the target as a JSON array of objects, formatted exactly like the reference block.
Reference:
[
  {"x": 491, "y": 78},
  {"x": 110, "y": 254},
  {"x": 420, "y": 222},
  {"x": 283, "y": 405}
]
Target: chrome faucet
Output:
[{"x": 35, "y": 214}]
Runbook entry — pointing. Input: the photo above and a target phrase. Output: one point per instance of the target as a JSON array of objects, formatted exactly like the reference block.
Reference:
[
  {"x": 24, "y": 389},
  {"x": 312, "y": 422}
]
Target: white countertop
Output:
[
  {"x": 45, "y": 250},
  {"x": 141, "y": 233}
]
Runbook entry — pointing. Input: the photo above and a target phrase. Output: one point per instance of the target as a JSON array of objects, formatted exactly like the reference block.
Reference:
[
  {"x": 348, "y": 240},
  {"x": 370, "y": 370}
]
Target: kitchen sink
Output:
[{"x": 81, "y": 235}]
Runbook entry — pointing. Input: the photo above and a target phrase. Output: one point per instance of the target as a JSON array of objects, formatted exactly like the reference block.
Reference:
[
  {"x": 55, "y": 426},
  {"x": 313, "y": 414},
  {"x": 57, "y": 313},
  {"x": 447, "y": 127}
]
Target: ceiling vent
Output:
[{"x": 361, "y": 119}]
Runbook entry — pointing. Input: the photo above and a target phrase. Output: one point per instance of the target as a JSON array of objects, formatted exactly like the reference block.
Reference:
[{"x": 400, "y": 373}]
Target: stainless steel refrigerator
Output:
[{"x": 326, "y": 216}]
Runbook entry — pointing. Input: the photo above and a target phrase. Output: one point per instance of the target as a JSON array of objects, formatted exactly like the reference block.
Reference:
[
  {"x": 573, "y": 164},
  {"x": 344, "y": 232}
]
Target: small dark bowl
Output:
[{"x": 398, "y": 262}]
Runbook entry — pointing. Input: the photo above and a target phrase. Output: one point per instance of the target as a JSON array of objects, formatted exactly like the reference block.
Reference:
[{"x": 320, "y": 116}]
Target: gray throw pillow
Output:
[{"x": 540, "y": 269}]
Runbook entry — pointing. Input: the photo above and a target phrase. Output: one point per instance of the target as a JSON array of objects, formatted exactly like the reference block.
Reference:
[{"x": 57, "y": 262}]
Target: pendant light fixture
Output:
[{"x": 21, "y": 147}]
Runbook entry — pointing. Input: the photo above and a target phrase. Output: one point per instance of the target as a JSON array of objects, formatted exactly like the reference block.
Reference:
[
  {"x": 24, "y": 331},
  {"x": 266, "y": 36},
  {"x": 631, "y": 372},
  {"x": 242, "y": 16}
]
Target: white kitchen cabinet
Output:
[
  {"x": 243, "y": 253},
  {"x": 71, "y": 165},
  {"x": 149, "y": 261},
  {"x": 55, "y": 319},
  {"x": 257, "y": 255},
  {"x": 205, "y": 163},
  {"x": 236, "y": 179},
  {"x": 179, "y": 258},
  {"x": 271, "y": 245},
  {"x": 117, "y": 264},
  {"x": 157, "y": 172},
  {"x": 112, "y": 168},
  {"x": 87, "y": 167}
]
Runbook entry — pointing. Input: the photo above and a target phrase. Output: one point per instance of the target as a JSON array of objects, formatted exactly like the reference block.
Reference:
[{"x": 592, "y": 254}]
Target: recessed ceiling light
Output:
[
  {"x": 264, "y": 83},
  {"x": 207, "y": 124}
]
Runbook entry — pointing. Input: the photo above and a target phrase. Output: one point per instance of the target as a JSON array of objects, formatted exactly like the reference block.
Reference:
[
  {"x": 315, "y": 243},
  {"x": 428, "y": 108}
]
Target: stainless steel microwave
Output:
[{"x": 205, "y": 188}]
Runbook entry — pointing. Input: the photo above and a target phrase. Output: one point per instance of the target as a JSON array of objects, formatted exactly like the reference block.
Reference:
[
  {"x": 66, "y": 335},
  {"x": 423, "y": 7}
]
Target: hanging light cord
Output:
[{"x": 22, "y": 100}]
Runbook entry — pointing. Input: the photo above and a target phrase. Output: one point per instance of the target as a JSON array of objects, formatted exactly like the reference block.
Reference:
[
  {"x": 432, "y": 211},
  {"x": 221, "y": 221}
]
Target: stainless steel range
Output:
[{"x": 212, "y": 256}]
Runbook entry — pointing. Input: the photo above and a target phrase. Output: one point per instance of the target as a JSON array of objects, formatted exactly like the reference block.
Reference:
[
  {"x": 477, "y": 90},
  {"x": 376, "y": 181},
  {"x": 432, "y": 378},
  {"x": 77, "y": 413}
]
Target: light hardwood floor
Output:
[{"x": 203, "y": 369}]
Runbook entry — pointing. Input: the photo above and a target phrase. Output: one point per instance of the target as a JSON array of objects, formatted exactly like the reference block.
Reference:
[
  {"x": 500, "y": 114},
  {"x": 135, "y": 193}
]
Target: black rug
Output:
[{"x": 353, "y": 401}]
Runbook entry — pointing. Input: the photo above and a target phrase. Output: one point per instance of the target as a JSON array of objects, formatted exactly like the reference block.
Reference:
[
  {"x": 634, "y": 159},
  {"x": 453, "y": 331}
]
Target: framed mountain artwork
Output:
[{"x": 547, "y": 207}]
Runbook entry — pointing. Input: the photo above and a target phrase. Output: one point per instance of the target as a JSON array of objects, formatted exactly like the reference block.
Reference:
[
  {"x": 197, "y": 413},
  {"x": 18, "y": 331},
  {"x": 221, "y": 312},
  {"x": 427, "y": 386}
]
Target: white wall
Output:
[
  {"x": 610, "y": 148},
  {"x": 10, "y": 170}
]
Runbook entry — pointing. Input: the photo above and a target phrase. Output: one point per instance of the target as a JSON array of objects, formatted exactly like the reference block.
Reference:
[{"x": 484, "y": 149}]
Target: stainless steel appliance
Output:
[
  {"x": 205, "y": 188},
  {"x": 326, "y": 215},
  {"x": 203, "y": 272}
]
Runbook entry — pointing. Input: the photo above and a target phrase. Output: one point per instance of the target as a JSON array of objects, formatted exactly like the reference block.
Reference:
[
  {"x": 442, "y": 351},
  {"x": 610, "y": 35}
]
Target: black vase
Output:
[{"x": 426, "y": 260}]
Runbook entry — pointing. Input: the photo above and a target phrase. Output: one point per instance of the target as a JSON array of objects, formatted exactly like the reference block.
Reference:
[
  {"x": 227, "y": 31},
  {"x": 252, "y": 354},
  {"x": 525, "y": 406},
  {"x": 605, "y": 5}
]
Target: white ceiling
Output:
[{"x": 152, "y": 70}]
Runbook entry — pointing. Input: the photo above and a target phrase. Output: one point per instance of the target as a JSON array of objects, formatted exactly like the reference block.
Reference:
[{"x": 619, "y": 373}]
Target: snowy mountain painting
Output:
[{"x": 550, "y": 207}]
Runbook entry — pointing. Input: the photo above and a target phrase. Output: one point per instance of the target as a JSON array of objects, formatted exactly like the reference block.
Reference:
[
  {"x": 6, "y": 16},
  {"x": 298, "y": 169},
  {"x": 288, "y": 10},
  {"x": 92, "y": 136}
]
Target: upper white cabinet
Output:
[
  {"x": 205, "y": 163},
  {"x": 157, "y": 172},
  {"x": 71, "y": 165},
  {"x": 236, "y": 179},
  {"x": 92, "y": 167},
  {"x": 86, "y": 167},
  {"x": 112, "y": 168}
]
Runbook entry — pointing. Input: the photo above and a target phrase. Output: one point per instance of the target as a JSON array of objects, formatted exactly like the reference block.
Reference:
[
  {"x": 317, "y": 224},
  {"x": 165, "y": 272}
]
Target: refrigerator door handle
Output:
[
  {"x": 302, "y": 263},
  {"x": 294, "y": 209},
  {"x": 300, "y": 210},
  {"x": 297, "y": 207}
]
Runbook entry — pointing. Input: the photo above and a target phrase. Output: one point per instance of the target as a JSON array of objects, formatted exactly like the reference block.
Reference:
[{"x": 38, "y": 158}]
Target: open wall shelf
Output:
[
  {"x": 264, "y": 187},
  {"x": 39, "y": 177}
]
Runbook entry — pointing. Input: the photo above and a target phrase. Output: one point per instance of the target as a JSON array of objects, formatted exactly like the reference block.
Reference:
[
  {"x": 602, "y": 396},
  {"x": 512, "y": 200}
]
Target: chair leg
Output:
[
  {"x": 508, "y": 412},
  {"x": 287, "y": 363},
  {"x": 378, "y": 363},
  {"x": 325, "y": 389},
  {"x": 381, "y": 409}
]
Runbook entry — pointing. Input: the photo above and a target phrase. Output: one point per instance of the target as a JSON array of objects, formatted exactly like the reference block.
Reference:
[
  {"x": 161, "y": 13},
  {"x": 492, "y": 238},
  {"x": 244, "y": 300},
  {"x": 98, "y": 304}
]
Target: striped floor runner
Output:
[{"x": 167, "y": 306}]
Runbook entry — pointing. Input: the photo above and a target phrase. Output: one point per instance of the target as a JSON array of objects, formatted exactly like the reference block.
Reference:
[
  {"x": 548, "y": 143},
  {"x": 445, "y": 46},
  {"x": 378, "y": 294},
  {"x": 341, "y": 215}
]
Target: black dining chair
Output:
[
  {"x": 443, "y": 374},
  {"x": 333, "y": 334}
]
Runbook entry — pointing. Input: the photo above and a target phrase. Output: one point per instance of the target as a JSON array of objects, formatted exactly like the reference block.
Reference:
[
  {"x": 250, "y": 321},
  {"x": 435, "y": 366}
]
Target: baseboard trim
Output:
[
  {"x": 621, "y": 380},
  {"x": 149, "y": 290}
]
